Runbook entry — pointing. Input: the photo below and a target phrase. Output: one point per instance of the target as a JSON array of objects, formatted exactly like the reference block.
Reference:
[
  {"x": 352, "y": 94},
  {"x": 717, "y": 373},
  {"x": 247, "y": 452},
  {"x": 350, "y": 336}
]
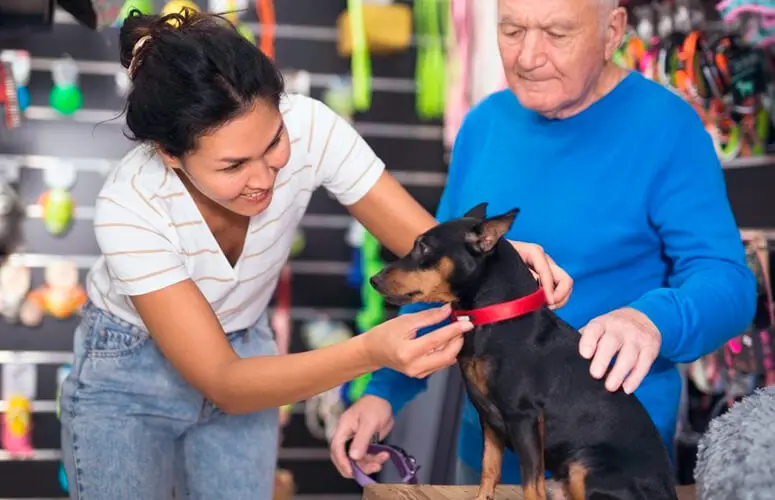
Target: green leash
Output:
[
  {"x": 360, "y": 62},
  {"x": 430, "y": 68}
]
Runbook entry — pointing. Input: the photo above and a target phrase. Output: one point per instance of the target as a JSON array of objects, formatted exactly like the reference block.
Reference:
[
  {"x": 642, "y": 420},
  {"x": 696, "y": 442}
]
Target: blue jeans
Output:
[{"x": 133, "y": 428}]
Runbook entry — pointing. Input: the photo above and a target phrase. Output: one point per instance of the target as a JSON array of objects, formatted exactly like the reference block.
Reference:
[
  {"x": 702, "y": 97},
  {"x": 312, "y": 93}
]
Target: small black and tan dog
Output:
[{"x": 524, "y": 374}]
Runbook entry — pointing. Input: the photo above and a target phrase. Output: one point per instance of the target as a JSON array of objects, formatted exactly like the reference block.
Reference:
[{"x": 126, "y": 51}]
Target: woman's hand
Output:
[
  {"x": 394, "y": 343},
  {"x": 555, "y": 281}
]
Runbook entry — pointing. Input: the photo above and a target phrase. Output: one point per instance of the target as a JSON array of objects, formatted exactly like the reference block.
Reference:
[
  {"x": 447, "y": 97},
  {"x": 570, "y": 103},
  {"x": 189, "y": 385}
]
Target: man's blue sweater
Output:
[{"x": 629, "y": 198}]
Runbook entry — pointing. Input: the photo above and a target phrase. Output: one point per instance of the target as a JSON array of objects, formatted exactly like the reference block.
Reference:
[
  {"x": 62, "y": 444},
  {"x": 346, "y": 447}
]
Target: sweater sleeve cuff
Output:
[
  {"x": 397, "y": 393},
  {"x": 659, "y": 306}
]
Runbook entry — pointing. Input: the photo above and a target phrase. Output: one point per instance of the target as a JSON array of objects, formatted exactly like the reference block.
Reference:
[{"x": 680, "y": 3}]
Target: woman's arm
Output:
[
  {"x": 195, "y": 343},
  {"x": 390, "y": 213}
]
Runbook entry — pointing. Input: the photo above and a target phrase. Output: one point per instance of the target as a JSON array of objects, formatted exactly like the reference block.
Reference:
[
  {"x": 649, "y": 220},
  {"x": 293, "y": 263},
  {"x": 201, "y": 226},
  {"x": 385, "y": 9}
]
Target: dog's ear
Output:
[
  {"x": 486, "y": 235},
  {"x": 478, "y": 212}
]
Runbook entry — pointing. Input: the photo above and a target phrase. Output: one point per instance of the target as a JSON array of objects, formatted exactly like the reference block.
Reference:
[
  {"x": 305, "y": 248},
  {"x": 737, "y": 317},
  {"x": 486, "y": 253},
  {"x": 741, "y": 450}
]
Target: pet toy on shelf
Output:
[
  {"x": 19, "y": 389},
  {"x": 65, "y": 96},
  {"x": 338, "y": 96},
  {"x": 19, "y": 60},
  {"x": 179, "y": 7},
  {"x": 144, "y": 6},
  {"x": 57, "y": 203},
  {"x": 60, "y": 297},
  {"x": 15, "y": 284},
  {"x": 11, "y": 212}
]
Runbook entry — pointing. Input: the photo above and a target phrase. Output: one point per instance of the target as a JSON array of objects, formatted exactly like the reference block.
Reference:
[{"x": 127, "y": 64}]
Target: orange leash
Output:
[{"x": 265, "y": 9}]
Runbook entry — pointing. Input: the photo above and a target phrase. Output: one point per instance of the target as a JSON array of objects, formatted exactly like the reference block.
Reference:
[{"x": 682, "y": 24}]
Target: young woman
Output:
[{"x": 176, "y": 375}]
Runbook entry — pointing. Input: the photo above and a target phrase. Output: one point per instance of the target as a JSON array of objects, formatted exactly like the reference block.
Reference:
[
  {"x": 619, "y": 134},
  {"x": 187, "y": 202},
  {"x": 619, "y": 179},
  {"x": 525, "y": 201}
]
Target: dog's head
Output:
[{"x": 445, "y": 261}]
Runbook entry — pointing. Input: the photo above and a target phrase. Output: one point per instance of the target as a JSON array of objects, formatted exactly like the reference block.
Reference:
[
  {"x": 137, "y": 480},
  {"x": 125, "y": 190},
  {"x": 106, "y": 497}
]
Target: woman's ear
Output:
[{"x": 169, "y": 160}]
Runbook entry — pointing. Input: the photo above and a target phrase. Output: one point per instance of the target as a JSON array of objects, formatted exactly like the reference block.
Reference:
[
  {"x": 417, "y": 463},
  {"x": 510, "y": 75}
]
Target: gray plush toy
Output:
[
  {"x": 10, "y": 219},
  {"x": 736, "y": 456}
]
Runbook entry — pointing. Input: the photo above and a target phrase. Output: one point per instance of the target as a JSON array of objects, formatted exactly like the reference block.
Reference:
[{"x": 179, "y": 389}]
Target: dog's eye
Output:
[{"x": 423, "y": 248}]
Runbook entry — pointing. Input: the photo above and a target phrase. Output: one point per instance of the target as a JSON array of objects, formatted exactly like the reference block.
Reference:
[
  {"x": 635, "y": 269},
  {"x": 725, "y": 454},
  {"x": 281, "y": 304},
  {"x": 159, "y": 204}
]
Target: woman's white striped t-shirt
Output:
[{"x": 152, "y": 235}]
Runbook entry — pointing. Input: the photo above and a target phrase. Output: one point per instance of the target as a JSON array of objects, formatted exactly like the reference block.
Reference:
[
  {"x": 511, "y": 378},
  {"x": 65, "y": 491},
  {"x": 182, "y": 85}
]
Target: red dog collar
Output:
[{"x": 503, "y": 311}]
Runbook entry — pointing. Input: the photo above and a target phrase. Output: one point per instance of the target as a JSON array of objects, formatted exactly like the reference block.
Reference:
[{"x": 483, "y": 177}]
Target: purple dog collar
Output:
[{"x": 405, "y": 464}]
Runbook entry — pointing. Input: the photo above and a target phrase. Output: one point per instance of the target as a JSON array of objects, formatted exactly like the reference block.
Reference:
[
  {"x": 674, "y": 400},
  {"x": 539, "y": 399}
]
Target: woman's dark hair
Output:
[{"x": 192, "y": 73}]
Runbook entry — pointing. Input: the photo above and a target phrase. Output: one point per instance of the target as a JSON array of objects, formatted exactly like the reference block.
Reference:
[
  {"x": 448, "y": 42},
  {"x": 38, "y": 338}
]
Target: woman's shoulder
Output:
[{"x": 133, "y": 185}]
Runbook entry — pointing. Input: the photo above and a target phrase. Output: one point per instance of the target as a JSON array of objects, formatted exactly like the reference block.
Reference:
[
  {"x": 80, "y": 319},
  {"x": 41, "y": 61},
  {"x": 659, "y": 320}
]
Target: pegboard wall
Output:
[{"x": 92, "y": 138}]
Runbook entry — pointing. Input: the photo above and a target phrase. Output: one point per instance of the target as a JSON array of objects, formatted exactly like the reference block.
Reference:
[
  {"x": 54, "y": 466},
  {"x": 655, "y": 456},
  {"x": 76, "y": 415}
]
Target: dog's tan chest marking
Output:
[{"x": 476, "y": 371}]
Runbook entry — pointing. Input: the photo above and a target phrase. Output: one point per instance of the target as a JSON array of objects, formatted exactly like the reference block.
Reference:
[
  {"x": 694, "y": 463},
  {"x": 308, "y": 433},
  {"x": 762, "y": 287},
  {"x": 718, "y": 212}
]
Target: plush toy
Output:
[
  {"x": 735, "y": 455},
  {"x": 60, "y": 296},
  {"x": 14, "y": 286},
  {"x": 11, "y": 216}
]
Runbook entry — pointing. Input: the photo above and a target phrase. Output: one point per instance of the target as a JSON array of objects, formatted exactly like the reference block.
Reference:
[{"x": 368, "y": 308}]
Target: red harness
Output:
[{"x": 503, "y": 311}]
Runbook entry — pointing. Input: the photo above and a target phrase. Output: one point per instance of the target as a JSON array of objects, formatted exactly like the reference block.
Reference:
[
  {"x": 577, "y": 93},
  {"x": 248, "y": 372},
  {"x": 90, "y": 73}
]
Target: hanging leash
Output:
[{"x": 265, "y": 10}]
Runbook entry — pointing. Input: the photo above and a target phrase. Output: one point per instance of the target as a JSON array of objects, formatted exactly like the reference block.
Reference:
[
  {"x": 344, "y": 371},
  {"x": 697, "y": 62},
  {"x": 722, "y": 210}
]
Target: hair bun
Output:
[{"x": 136, "y": 25}]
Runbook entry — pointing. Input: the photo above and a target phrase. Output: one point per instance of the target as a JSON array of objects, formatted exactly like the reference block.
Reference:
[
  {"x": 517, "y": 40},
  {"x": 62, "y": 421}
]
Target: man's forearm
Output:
[{"x": 715, "y": 303}]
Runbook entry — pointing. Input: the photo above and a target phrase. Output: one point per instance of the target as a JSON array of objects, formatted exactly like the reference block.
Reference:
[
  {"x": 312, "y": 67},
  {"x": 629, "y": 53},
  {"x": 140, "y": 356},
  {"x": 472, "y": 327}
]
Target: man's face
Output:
[{"x": 552, "y": 50}]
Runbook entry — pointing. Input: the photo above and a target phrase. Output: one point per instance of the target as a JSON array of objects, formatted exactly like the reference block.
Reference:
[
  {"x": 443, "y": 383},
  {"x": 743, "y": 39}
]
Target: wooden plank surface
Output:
[{"x": 424, "y": 492}]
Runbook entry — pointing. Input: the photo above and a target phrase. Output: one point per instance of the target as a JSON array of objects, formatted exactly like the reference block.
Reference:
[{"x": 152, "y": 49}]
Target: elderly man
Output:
[{"x": 618, "y": 180}]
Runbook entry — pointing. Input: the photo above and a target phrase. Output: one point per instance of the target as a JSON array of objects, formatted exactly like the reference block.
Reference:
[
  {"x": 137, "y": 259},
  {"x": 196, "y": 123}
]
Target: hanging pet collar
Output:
[
  {"x": 265, "y": 10},
  {"x": 430, "y": 15}
]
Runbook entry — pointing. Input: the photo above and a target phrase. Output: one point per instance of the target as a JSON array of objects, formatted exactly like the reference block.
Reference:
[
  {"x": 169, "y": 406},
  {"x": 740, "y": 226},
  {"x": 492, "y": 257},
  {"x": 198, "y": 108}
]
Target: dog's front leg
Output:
[
  {"x": 527, "y": 436},
  {"x": 492, "y": 461}
]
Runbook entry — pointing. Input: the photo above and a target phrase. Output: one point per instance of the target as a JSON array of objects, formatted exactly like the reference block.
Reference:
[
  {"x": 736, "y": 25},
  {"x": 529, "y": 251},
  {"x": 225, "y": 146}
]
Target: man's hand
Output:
[
  {"x": 555, "y": 281},
  {"x": 368, "y": 416},
  {"x": 630, "y": 336}
]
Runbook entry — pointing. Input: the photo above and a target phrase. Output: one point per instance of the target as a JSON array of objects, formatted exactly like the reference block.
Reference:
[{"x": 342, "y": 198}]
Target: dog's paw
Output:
[{"x": 485, "y": 495}]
